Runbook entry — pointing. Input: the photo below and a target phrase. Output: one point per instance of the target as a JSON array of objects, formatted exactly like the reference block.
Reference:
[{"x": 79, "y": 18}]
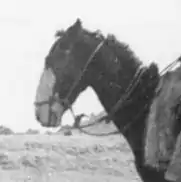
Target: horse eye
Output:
[
  {"x": 67, "y": 51},
  {"x": 63, "y": 46}
]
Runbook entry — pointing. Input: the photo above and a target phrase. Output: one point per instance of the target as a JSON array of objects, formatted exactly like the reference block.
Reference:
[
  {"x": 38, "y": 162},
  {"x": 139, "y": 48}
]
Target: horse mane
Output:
[
  {"x": 126, "y": 57},
  {"x": 121, "y": 49},
  {"x": 59, "y": 33}
]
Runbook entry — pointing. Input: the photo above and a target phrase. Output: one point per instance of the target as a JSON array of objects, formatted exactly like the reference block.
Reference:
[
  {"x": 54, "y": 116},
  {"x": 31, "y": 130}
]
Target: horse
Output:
[{"x": 80, "y": 58}]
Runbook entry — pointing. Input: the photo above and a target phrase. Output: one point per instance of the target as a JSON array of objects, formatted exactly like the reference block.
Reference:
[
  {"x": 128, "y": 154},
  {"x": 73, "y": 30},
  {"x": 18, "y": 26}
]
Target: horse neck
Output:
[
  {"x": 109, "y": 92},
  {"x": 135, "y": 111},
  {"x": 107, "y": 95}
]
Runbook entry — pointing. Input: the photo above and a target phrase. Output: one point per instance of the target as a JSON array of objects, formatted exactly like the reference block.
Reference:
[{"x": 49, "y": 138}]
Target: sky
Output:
[{"x": 27, "y": 27}]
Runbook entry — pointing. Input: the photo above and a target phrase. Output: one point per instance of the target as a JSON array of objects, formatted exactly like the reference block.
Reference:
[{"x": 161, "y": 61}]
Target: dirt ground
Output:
[{"x": 55, "y": 158}]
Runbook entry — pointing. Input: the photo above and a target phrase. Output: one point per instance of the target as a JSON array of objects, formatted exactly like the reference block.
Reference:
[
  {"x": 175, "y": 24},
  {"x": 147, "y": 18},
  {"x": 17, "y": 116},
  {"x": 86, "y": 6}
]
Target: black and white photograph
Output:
[{"x": 90, "y": 91}]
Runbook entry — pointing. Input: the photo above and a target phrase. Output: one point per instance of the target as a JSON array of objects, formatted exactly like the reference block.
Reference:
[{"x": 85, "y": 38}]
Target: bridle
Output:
[
  {"x": 133, "y": 84},
  {"x": 117, "y": 106}
]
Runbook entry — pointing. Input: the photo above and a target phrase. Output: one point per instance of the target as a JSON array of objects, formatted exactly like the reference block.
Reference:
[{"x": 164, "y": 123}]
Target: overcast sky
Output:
[{"x": 27, "y": 27}]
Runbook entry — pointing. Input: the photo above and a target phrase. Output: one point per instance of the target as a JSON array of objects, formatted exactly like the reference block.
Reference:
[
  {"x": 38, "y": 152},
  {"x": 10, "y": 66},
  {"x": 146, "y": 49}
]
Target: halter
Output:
[
  {"x": 120, "y": 102},
  {"x": 133, "y": 84}
]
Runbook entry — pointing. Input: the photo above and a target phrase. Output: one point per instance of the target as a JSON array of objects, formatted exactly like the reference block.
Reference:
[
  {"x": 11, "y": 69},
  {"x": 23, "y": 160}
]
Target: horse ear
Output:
[
  {"x": 78, "y": 22},
  {"x": 59, "y": 33},
  {"x": 75, "y": 29},
  {"x": 78, "y": 25}
]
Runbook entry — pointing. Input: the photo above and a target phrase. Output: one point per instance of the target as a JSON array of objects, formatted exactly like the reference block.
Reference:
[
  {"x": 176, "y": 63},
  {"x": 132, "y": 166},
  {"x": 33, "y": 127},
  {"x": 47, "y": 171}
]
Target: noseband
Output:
[{"x": 52, "y": 100}]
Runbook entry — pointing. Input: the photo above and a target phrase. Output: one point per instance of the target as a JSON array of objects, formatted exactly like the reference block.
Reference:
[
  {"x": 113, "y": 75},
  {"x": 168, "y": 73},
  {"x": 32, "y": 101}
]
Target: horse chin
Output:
[
  {"x": 42, "y": 114},
  {"x": 50, "y": 116},
  {"x": 54, "y": 121}
]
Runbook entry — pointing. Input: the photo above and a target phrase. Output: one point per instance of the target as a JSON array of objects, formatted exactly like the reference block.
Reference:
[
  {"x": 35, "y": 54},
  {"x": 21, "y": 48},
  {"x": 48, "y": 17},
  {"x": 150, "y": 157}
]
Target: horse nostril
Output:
[{"x": 37, "y": 115}]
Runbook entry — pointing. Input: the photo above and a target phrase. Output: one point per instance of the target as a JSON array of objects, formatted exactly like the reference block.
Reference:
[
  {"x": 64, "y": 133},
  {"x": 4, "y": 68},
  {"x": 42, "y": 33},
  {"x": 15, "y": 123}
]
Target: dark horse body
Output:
[{"x": 109, "y": 73}]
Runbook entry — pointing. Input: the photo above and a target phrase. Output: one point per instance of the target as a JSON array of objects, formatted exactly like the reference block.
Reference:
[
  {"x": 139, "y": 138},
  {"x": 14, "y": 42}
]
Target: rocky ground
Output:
[{"x": 75, "y": 158}]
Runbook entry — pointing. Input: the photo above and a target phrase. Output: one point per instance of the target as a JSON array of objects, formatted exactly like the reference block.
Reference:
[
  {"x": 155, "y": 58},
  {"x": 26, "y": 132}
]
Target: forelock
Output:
[{"x": 59, "y": 33}]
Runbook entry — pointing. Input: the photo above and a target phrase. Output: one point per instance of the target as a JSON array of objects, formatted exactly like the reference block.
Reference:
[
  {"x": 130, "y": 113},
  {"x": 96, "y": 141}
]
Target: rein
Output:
[
  {"x": 116, "y": 107},
  {"x": 120, "y": 103},
  {"x": 133, "y": 84},
  {"x": 85, "y": 69}
]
